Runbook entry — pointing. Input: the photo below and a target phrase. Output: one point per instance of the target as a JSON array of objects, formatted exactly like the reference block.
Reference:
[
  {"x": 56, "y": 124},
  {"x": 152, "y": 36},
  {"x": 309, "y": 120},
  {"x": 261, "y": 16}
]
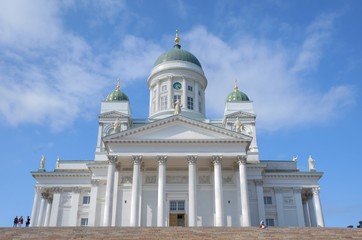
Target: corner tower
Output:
[{"x": 177, "y": 75}]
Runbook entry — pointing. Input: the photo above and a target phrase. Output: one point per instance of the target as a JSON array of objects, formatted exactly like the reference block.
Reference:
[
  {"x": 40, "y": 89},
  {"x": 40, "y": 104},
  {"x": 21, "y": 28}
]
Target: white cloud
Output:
[{"x": 265, "y": 71}]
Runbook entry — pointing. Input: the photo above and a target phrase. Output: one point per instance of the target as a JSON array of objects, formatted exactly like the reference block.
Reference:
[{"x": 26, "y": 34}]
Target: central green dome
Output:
[{"x": 177, "y": 54}]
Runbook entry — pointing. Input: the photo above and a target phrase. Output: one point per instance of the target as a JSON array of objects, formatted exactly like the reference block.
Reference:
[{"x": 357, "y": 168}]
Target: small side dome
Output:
[
  {"x": 177, "y": 54},
  {"x": 117, "y": 95},
  {"x": 236, "y": 95}
]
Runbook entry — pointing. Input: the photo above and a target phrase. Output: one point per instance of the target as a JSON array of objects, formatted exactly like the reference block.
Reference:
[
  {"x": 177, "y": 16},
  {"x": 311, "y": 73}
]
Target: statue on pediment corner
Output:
[
  {"x": 116, "y": 126},
  {"x": 311, "y": 164},
  {"x": 42, "y": 162},
  {"x": 238, "y": 126},
  {"x": 177, "y": 107}
]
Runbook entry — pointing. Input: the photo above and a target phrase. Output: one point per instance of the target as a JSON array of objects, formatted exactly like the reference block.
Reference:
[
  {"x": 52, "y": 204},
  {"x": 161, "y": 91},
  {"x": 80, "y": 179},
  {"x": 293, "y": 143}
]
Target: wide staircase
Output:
[{"x": 173, "y": 233}]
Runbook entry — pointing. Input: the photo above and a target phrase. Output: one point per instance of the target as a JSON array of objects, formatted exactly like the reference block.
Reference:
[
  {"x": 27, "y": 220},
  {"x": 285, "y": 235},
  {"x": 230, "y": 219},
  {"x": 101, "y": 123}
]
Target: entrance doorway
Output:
[{"x": 177, "y": 213}]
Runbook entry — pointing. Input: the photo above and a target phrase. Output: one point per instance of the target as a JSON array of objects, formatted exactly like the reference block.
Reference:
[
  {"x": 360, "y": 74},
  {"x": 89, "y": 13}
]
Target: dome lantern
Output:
[{"x": 117, "y": 95}]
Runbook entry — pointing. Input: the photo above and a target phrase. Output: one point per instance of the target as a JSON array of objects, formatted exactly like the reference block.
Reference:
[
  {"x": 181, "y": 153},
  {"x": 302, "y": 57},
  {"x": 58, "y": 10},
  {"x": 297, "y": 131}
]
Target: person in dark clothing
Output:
[
  {"x": 16, "y": 221},
  {"x": 27, "y": 223}
]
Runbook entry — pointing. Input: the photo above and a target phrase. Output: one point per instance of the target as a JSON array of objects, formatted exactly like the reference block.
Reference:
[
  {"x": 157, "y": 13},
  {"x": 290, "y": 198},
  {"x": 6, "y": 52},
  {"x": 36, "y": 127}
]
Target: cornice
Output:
[
  {"x": 176, "y": 141},
  {"x": 61, "y": 174},
  {"x": 240, "y": 114},
  {"x": 113, "y": 114},
  {"x": 316, "y": 175}
]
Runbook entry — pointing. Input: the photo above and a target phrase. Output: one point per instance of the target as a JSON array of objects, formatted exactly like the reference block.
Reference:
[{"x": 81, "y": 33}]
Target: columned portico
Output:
[
  {"x": 137, "y": 160},
  {"x": 48, "y": 212},
  {"x": 75, "y": 205},
  {"x": 299, "y": 206},
  {"x": 43, "y": 202},
  {"x": 244, "y": 191},
  {"x": 109, "y": 191},
  {"x": 312, "y": 216},
  {"x": 93, "y": 202},
  {"x": 219, "y": 211},
  {"x": 161, "y": 191},
  {"x": 318, "y": 207},
  {"x": 192, "y": 190},
  {"x": 34, "y": 212},
  {"x": 260, "y": 199},
  {"x": 55, "y": 207}
]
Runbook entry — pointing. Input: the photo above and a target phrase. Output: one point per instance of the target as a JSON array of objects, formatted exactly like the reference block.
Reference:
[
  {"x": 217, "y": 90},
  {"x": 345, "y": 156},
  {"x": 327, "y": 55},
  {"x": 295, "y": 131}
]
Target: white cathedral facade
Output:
[{"x": 177, "y": 167}]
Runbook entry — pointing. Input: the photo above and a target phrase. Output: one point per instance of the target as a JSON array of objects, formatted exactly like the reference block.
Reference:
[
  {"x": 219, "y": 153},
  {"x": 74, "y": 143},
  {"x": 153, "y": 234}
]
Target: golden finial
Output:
[
  {"x": 118, "y": 86},
  {"x": 177, "y": 38},
  {"x": 236, "y": 86}
]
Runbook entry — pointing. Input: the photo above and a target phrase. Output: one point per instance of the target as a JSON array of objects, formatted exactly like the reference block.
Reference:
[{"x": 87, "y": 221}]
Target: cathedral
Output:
[{"x": 176, "y": 167}]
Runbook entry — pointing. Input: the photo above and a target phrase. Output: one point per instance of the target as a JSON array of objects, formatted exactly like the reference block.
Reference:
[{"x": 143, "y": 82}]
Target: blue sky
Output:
[{"x": 299, "y": 61}]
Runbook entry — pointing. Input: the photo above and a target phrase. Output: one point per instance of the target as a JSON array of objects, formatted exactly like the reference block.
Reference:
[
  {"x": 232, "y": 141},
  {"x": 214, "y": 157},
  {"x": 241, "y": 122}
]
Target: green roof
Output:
[
  {"x": 117, "y": 95},
  {"x": 177, "y": 54},
  {"x": 237, "y": 96}
]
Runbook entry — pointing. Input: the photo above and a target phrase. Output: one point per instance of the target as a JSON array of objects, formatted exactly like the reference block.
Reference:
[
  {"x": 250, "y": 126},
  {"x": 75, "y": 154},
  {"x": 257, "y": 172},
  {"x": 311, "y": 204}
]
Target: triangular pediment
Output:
[
  {"x": 240, "y": 114},
  {"x": 112, "y": 114},
  {"x": 177, "y": 128}
]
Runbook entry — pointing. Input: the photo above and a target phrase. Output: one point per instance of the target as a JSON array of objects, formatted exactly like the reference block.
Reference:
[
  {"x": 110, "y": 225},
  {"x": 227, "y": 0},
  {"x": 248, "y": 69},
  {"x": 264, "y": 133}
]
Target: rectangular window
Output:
[
  {"x": 268, "y": 200},
  {"x": 190, "y": 103},
  {"x": 189, "y": 88},
  {"x": 173, "y": 205},
  {"x": 163, "y": 103},
  {"x": 200, "y": 110},
  {"x": 84, "y": 222},
  {"x": 86, "y": 199},
  {"x": 154, "y": 93},
  {"x": 164, "y": 88},
  {"x": 177, "y": 205},
  {"x": 199, "y": 93},
  {"x": 270, "y": 222},
  {"x": 176, "y": 97}
]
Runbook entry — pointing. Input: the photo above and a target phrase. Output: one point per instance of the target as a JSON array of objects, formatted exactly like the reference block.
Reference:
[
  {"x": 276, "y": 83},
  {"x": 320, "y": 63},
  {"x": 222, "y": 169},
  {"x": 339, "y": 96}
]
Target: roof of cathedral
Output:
[
  {"x": 117, "y": 95},
  {"x": 177, "y": 54},
  {"x": 236, "y": 95}
]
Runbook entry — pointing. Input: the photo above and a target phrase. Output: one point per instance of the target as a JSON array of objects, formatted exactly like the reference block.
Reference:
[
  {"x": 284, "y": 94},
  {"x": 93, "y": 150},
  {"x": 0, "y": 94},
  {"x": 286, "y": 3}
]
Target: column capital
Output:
[
  {"x": 95, "y": 182},
  {"x": 216, "y": 159},
  {"x": 258, "y": 182},
  {"x": 316, "y": 190},
  {"x": 76, "y": 189},
  {"x": 191, "y": 159},
  {"x": 297, "y": 190},
  {"x": 45, "y": 195},
  {"x": 162, "y": 159},
  {"x": 112, "y": 159},
  {"x": 242, "y": 159},
  {"x": 137, "y": 159},
  {"x": 57, "y": 189}
]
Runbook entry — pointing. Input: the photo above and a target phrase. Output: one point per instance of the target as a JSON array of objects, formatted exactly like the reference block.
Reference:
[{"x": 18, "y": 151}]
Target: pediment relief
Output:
[
  {"x": 241, "y": 115},
  {"x": 178, "y": 128},
  {"x": 113, "y": 114}
]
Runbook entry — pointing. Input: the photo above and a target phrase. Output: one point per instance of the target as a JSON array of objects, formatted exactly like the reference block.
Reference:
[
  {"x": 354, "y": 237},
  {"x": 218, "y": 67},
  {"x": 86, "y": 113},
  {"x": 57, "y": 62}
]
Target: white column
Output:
[
  {"x": 192, "y": 190},
  {"x": 115, "y": 193},
  {"x": 158, "y": 96},
  {"x": 219, "y": 211},
  {"x": 48, "y": 212},
  {"x": 260, "y": 199},
  {"x": 244, "y": 196},
  {"x": 73, "y": 221},
  {"x": 184, "y": 92},
  {"x": 169, "y": 93},
  {"x": 135, "y": 191},
  {"x": 318, "y": 207},
  {"x": 34, "y": 211},
  {"x": 107, "y": 218},
  {"x": 299, "y": 205},
  {"x": 43, "y": 202},
  {"x": 196, "y": 104},
  {"x": 161, "y": 191},
  {"x": 312, "y": 217},
  {"x": 99, "y": 140},
  {"x": 55, "y": 207},
  {"x": 93, "y": 203},
  {"x": 306, "y": 215},
  {"x": 280, "y": 206},
  {"x": 140, "y": 195}
]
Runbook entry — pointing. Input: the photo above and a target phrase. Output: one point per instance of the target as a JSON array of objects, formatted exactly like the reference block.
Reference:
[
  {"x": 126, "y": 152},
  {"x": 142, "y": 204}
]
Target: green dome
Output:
[
  {"x": 177, "y": 54},
  {"x": 117, "y": 95},
  {"x": 237, "y": 96}
]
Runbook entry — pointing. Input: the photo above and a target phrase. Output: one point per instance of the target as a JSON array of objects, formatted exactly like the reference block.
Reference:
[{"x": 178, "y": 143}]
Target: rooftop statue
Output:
[
  {"x": 42, "y": 162},
  {"x": 177, "y": 106},
  {"x": 116, "y": 126},
  {"x": 238, "y": 126},
  {"x": 311, "y": 164}
]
